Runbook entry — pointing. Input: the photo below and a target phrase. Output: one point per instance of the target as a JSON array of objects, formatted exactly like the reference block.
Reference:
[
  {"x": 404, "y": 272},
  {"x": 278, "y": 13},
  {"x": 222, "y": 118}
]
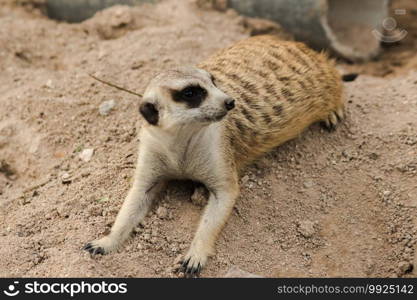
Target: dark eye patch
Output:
[{"x": 192, "y": 95}]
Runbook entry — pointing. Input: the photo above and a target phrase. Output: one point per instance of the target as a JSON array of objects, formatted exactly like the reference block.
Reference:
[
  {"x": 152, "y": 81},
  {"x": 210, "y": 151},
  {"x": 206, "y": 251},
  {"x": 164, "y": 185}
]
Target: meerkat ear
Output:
[{"x": 149, "y": 112}]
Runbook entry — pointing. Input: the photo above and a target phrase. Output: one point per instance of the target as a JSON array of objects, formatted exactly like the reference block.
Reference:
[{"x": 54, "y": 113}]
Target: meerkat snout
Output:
[{"x": 229, "y": 104}]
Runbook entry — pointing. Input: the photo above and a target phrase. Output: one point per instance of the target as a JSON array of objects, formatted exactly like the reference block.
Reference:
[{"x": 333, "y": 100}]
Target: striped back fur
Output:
[{"x": 280, "y": 88}]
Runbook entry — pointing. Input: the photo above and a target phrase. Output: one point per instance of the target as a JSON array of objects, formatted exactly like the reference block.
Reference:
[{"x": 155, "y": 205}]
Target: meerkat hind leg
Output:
[{"x": 333, "y": 119}]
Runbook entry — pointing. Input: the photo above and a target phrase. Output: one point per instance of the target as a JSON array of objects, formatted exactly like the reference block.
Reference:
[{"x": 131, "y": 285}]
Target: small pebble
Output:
[
  {"x": 308, "y": 184},
  {"x": 86, "y": 154},
  {"x": 306, "y": 228},
  {"x": 49, "y": 84},
  {"x": 386, "y": 193},
  {"x": 66, "y": 178},
  {"x": 106, "y": 107},
  {"x": 162, "y": 212}
]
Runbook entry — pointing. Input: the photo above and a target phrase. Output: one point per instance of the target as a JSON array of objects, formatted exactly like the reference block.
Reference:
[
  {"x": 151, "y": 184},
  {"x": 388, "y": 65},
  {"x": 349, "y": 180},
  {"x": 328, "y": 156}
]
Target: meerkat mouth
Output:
[{"x": 216, "y": 118}]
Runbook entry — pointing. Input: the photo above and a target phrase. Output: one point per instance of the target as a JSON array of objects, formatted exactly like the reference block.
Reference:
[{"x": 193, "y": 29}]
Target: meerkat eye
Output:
[
  {"x": 188, "y": 93},
  {"x": 191, "y": 95},
  {"x": 193, "y": 92}
]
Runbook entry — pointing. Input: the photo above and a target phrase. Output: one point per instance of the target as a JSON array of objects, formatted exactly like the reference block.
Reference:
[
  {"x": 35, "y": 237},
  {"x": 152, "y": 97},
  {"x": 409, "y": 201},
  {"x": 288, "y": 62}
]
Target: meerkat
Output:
[{"x": 206, "y": 123}]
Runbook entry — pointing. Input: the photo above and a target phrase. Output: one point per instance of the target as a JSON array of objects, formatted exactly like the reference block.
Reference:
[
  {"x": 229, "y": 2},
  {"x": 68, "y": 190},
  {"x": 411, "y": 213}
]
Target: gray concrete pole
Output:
[
  {"x": 345, "y": 26},
  {"x": 79, "y": 10}
]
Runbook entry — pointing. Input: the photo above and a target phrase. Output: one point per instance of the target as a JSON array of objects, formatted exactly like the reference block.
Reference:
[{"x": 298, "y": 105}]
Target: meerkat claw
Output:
[
  {"x": 93, "y": 249},
  {"x": 184, "y": 264},
  {"x": 194, "y": 271},
  {"x": 332, "y": 120},
  {"x": 189, "y": 270},
  {"x": 87, "y": 247}
]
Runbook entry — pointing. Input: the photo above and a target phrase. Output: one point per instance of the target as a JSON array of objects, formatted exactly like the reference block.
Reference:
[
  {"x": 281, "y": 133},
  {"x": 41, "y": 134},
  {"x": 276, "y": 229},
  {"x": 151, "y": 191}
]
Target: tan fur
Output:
[{"x": 280, "y": 88}]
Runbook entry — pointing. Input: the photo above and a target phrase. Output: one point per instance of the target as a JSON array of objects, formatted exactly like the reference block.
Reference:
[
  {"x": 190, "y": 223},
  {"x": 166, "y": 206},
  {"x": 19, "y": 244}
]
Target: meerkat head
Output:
[{"x": 184, "y": 96}]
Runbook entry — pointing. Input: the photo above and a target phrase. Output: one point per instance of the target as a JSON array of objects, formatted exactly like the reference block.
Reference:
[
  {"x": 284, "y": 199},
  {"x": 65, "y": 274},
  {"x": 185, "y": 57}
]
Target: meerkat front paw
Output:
[
  {"x": 195, "y": 259},
  {"x": 102, "y": 246},
  {"x": 193, "y": 263}
]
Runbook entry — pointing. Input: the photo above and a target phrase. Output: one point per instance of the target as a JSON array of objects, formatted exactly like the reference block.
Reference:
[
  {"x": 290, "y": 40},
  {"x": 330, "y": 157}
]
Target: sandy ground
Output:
[{"x": 326, "y": 204}]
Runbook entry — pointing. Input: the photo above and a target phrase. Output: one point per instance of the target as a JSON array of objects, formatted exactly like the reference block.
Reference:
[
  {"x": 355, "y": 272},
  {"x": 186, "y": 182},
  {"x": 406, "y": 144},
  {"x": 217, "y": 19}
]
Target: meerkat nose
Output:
[{"x": 230, "y": 104}]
